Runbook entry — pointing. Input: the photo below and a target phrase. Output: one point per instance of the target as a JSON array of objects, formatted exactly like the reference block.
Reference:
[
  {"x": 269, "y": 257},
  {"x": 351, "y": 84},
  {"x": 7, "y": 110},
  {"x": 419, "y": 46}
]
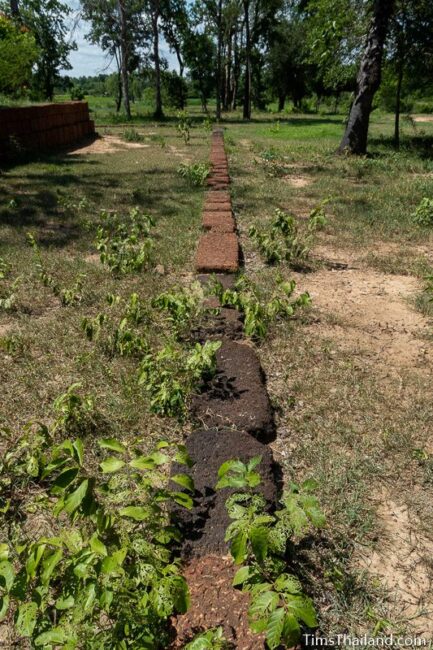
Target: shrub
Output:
[
  {"x": 423, "y": 215},
  {"x": 132, "y": 135},
  {"x": 195, "y": 174},
  {"x": 258, "y": 310},
  {"x": 259, "y": 542}
]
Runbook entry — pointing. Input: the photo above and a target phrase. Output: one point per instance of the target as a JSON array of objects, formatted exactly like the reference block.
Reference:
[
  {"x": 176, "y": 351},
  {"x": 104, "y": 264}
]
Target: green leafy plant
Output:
[
  {"x": 259, "y": 540},
  {"x": 106, "y": 577},
  {"x": 284, "y": 241},
  {"x": 208, "y": 123},
  {"x": 68, "y": 296},
  {"x": 132, "y": 135},
  {"x": 13, "y": 344},
  {"x": 183, "y": 307},
  {"x": 124, "y": 337},
  {"x": 170, "y": 375},
  {"x": 423, "y": 215},
  {"x": 4, "y": 268},
  {"x": 8, "y": 298},
  {"x": 125, "y": 244},
  {"x": 76, "y": 414},
  {"x": 195, "y": 174},
  {"x": 258, "y": 310},
  {"x": 210, "y": 640},
  {"x": 184, "y": 126}
]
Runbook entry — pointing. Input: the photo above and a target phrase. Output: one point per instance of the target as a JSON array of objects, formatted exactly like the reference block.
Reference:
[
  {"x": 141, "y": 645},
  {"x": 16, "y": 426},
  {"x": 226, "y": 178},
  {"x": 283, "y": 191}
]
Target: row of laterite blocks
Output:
[
  {"x": 45, "y": 126},
  {"x": 235, "y": 421}
]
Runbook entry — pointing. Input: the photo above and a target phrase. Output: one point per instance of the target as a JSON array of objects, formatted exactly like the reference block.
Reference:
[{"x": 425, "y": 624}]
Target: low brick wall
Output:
[{"x": 45, "y": 126}]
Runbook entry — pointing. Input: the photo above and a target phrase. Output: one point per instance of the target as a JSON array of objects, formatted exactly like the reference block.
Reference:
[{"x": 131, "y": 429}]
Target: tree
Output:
[
  {"x": 18, "y": 54},
  {"x": 46, "y": 21},
  {"x": 200, "y": 58},
  {"x": 368, "y": 79}
]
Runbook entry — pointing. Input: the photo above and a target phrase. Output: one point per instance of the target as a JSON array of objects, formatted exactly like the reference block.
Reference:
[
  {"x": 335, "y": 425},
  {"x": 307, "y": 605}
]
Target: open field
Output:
[{"x": 350, "y": 379}]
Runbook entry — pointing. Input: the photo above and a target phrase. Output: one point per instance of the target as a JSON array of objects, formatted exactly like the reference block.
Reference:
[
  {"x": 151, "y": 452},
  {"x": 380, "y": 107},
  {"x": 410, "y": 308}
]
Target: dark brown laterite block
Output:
[
  {"x": 217, "y": 197},
  {"x": 205, "y": 525},
  {"x": 218, "y": 252},
  {"x": 236, "y": 396}
]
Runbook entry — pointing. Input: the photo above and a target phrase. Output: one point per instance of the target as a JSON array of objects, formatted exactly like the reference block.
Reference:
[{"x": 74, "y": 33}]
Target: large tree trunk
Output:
[
  {"x": 368, "y": 80},
  {"x": 158, "y": 99},
  {"x": 219, "y": 61},
  {"x": 281, "y": 100},
  {"x": 247, "y": 86},
  {"x": 124, "y": 58}
]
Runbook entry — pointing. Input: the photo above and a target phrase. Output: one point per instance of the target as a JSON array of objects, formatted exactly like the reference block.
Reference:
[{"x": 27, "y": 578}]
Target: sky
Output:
[{"x": 88, "y": 59}]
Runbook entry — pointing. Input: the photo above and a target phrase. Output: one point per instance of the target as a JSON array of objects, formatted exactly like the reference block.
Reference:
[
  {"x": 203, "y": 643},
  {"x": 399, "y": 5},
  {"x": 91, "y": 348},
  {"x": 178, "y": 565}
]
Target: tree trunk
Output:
[
  {"x": 398, "y": 104},
  {"x": 15, "y": 10},
  {"x": 219, "y": 62},
  {"x": 158, "y": 99},
  {"x": 247, "y": 88},
  {"x": 228, "y": 73},
  {"x": 281, "y": 101},
  {"x": 124, "y": 58},
  {"x": 368, "y": 80}
]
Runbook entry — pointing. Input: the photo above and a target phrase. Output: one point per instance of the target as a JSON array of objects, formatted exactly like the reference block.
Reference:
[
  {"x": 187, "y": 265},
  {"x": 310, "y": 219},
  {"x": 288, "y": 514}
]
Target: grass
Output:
[
  {"x": 349, "y": 421},
  {"x": 342, "y": 418},
  {"x": 59, "y": 199}
]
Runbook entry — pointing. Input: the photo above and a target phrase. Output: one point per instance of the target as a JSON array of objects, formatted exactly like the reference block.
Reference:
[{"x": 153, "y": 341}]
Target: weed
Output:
[
  {"x": 75, "y": 413},
  {"x": 4, "y": 269},
  {"x": 8, "y": 298},
  {"x": 125, "y": 244},
  {"x": 68, "y": 296},
  {"x": 195, "y": 174},
  {"x": 285, "y": 241},
  {"x": 423, "y": 215},
  {"x": 14, "y": 345},
  {"x": 159, "y": 139},
  {"x": 170, "y": 375},
  {"x": 184, "y": 126},
  {"x": 259, "y": 542},
  {"x": 132, "y": 135},
  {"x": 183, "y": 307},
  {"x": 259, "y": 312},
  {"x": 208, "y": 123},
  {"x": 108, "y": 575},
  {"x": 210, "y": 640}
]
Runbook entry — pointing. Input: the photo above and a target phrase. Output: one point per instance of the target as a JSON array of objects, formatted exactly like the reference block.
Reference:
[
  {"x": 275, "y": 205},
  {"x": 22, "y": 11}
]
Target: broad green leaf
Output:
[
  {"x": 303, "y": 609},
  {"x": 241, "y": 576},
  {"x": 238, "y": 547},
  {"x": 49, "y": 564},
  {"x": 33, "y": 560},
  {"x": 183, "y": 500},
  {"x": 74, "y": 500},
  {"x": 65, "y": 603},
  {"x": 310, "y": 485},
  {"x": 231, "y": 466},
  {"x": 143, "y": 462},
  {"x": 4, "y": 552},
  {"x": 135, "y": 512},
  {"x": 112, "y": 444},
  {"x": 64, "y": 479},
  {"x": 97, "y": 546},
  {"x": 113, "y": 563},
  {"x": 4, "y": 606},
  {"x": 274, "y": 628},
  {"x": 184, "y": 480},
  {"x": 291, "y": 631},
  {"x": 26, "y": 619},
  {"x": 182, "y": 457},
  {"x": 252, "y": 464},
  {"x": 7, "y": 575},
  {"x": 111, "y": 465},
  {"x": 56, "y": 635},
  {"x": 78, "y": 451},
  {"x": 259, "y": 542},
  {"x": 288, "y": 584}
]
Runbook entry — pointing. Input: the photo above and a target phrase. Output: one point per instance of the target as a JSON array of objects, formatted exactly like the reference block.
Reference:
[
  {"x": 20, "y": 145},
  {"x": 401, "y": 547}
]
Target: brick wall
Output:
[{"x": 45, "y": 126}]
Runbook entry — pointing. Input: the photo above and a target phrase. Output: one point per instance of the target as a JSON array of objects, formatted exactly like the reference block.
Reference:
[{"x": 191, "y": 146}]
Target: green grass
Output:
[
  {"x": 341, "y": 419},
  {"x": 46, "y": 196}
]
